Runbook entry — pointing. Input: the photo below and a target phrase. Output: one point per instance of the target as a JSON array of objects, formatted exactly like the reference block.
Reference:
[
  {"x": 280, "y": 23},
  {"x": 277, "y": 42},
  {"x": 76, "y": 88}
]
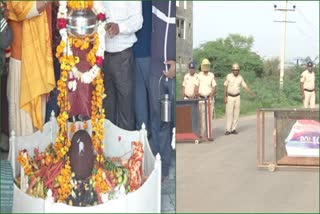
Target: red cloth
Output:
[{"x": 80, "y": 100}]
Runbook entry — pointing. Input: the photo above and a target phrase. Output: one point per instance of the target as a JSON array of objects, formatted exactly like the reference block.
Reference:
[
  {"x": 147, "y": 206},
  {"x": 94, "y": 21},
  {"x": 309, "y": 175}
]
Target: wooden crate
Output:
[{"x": 284, "y": 119}]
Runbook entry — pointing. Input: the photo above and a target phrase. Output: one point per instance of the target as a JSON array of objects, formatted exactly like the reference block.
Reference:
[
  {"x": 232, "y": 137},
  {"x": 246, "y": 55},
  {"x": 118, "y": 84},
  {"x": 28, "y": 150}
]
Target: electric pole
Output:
[{"x": 284, "y": 35}]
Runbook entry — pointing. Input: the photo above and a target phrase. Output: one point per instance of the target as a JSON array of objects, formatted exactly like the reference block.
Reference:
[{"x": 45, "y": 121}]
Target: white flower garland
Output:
[{"x": 88, "y": 76}]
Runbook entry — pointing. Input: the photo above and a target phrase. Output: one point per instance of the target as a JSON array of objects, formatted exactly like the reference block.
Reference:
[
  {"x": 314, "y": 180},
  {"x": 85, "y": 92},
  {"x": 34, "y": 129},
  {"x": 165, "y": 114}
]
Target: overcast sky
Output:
[{"x": 217, "y": 19}]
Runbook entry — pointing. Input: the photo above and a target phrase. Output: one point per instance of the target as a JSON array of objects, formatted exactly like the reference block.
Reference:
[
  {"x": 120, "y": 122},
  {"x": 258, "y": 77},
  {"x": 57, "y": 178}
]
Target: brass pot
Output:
[{"x": 81, "y": 23}]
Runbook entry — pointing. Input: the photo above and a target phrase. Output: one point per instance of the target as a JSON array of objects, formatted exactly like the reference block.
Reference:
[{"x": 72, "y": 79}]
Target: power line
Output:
[
  {"x": 307, "y": 21},
  {"x": 283, "y": 48}
]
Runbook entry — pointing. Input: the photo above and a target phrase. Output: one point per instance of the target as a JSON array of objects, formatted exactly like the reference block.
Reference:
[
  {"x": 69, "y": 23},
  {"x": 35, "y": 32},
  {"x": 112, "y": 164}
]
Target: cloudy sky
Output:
[{"x": 217, "y": 19}]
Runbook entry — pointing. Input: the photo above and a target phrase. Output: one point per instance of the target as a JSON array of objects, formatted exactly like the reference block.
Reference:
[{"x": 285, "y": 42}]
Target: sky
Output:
[{"x": 217, "y": 19}]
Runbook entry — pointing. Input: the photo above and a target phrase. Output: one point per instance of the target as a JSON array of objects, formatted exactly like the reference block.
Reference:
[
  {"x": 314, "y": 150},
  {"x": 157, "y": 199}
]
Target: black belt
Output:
[
  {"x": 187, "y": 97},
  {"x": 202, "y": 97},
  {"x": 233, "y": 95},
  {"x": 309, "y": 90},
  {"x": 118, "y": 53}
]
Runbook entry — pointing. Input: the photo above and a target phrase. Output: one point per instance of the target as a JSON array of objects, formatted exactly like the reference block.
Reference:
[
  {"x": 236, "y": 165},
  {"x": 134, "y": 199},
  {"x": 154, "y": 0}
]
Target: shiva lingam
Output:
[{"x": 80, "y": 24}]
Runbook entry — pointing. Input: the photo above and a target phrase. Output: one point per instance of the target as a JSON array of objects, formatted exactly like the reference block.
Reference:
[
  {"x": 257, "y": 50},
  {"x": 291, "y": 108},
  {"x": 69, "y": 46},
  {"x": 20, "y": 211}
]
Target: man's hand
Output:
[
  {"x": 172, "y": 70},
  {"x": 112, "y": 29},
  {"x": 302, "y": 96},
  {"x": 225, "y": 100}
]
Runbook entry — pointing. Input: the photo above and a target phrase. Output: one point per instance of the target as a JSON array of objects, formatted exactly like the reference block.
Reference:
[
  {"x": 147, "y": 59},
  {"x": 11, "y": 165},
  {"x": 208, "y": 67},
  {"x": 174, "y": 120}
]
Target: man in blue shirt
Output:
[
  {"x": 142, "y": 52},
  {"x": 162, "y": 78}
]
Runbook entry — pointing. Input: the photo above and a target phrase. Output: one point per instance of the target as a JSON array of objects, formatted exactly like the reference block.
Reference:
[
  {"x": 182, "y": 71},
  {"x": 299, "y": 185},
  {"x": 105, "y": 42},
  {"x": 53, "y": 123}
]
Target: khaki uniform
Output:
[
  {"x": 233, "y": 84},
  {"x": 308, "y": 80},
  {"x": 189, "y": 84},
  {"x": 206, "y": 82}
]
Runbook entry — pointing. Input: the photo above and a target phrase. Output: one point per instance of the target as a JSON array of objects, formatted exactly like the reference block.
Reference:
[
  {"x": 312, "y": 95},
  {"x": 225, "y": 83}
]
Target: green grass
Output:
[{"x": 267, "y": 90}]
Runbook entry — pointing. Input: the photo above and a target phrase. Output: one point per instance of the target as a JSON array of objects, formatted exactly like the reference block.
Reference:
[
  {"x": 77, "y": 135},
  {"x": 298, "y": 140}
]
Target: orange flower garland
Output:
[
  {"x": 56, "y": 154},
  {"x": 80, "y": 5},
  {"x": 97, "y": 113},
  {"x": 63, "y": 180},
  {"x": 81, "y": 43},
  {"x": 99, "y": 181},
  {"x": 24, "y": 163},
  {"x": 97, "y": 118},
  {"x": 91, "y": 56}
]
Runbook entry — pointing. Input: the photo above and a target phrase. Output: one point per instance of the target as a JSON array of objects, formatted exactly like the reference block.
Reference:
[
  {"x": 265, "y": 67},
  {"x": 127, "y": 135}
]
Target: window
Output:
[
  {"x": 180, "y": 26},
  {"x": 177, "y": 3},
  {"x": 185, "y": 4}
]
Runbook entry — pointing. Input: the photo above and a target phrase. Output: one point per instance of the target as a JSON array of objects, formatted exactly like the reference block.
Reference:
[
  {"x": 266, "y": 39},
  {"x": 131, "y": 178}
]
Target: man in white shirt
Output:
[
  {"x": 207, "y": 87},
  {"x": 232, "y": 86},
  {"x": 124, "y": 19},
  {"x": 307, "y": 86},
  {"x": 190, "y": 84}
]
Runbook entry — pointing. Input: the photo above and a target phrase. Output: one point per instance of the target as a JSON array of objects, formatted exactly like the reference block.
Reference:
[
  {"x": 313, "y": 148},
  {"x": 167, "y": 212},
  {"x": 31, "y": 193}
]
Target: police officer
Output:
[
  {"x": 190, "y": 85},
  {"x": 232, "y": 86},
  {"x": 307, "y": 86},
  {"x": 207, "y": 86}
]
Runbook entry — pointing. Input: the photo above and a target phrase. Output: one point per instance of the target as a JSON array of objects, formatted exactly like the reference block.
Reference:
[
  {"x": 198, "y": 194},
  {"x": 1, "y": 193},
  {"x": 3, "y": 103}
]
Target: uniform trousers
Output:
[
  {"x": 205, "y": 129},
  {"x": 232, "y": 112},
  {"x": 309, "y": 99}
]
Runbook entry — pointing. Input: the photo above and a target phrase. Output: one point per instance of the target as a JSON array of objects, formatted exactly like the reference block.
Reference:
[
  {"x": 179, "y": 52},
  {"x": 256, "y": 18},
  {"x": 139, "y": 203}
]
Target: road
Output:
[{"x": 221, "y": 176}]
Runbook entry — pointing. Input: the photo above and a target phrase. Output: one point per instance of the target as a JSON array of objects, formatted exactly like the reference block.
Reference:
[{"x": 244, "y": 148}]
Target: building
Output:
[{"x": 184, "y": 25}]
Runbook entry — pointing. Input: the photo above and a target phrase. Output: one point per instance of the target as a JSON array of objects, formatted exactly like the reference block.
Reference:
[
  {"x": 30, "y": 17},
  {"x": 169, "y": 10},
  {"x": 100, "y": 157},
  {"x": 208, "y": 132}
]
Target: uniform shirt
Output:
[
  {"x": 206, "y": 82},
  {"x": 128, "y": 16},
  {"x": 189, "y": 83},
  {"x": 308, "y": 80},
  {"x": 234, "y": 83}
]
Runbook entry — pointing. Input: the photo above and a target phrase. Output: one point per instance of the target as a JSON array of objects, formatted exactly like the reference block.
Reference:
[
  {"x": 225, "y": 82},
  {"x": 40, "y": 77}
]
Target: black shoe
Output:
[
  {"x": 234, "y": 132},
  {"x": 227, "y": 133}
]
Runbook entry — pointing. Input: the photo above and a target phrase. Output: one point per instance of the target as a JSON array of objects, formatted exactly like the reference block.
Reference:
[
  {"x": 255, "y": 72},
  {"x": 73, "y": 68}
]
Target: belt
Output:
[
  {"x": 309, "y": 90},
  {"x": 187, "y": 96},
  {"x": 202, "y": 97},
  {"x": 233, "y": 95},
  {"x": 118, "y": 53}
]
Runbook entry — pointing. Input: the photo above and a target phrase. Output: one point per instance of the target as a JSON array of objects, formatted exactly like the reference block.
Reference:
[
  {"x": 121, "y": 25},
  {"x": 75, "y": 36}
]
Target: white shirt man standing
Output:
[
  {"x": 124, "y": 19},
  {"x": 232, "y": 86},
  {"x": 207, "y": 86},
  {"x": 190, "y": 85},
  {"x": 307, "y": 86}
]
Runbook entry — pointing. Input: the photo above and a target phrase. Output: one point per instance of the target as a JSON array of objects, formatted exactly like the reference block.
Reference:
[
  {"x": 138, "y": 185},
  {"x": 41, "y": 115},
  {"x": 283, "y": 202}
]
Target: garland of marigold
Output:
[
  {"x": 80, "y": 5},
  {"x": 97, "y": 114},
  {"x": 63, "y": 180},
  {"x": 24, "y": 163},
  {"x": 63, "y": 143},
  {"x": 97, "y": 119}
]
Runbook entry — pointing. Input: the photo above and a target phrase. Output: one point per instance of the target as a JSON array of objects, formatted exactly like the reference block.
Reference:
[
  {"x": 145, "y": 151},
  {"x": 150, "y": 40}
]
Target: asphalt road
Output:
[{"x": 222, "y": 176}]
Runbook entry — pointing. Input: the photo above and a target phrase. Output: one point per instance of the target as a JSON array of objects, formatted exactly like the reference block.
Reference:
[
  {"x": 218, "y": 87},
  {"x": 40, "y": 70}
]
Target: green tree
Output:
[
  {"x": 222, "y": 53},
  {"x": 271, "y": 67}
]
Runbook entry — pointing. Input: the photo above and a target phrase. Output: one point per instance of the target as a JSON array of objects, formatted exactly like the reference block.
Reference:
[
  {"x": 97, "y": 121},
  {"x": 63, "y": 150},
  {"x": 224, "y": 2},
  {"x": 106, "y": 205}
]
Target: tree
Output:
[
  {"x": 222, "y": 53},
  {"x": 271, "y": 67}
]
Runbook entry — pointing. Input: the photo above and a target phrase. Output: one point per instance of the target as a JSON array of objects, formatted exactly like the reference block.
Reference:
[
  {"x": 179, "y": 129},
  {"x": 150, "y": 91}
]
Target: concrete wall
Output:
[{"x": 184, "y": 45}]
